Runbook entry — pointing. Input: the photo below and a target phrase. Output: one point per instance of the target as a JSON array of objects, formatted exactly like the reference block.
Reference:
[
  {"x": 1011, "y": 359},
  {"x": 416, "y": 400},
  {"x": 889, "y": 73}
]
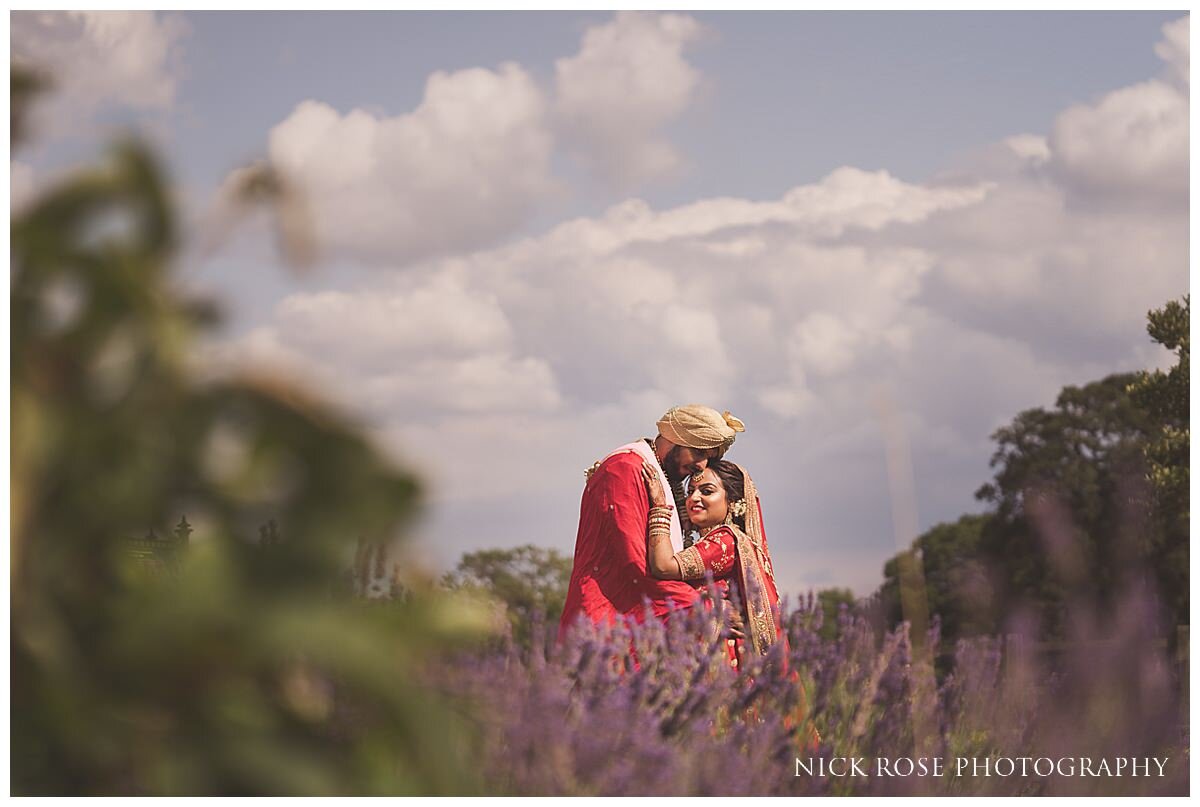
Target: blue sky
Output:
[{"x": 539, "y": 230}]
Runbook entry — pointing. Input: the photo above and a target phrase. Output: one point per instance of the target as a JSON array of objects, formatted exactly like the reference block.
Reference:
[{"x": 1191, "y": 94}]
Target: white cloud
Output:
[
  {"x": 1033, "y": 262},
  {"x": 846, "y": 198},
  {"x": 416, "y": 349},
  {"x": 823, "y": 343},
  {"x": 1175, "y": 50},
  {"x": 99, "y": 58},
  {"x": 440, "y": 316},
  {"x": 462, "y": 169},
  {"x": 787, "y": 402},
  {"x": 485, "y": 383},
  {"x": 628, "y": 81},
  {"x": 1033, "y": 148},
  {"x": 473, "y": 161},
  {"x": 1134, "y": 140}
]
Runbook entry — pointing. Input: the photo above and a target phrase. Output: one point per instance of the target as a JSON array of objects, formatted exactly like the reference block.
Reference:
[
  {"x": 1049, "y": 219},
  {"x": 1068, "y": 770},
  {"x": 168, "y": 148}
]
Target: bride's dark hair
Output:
[{"x": 734, "y": 483}]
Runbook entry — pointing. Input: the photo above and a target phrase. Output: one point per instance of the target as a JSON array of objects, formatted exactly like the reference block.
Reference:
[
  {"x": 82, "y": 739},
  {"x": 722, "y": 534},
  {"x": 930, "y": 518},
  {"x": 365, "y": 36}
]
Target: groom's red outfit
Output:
[{"x": 609, "y": 579}]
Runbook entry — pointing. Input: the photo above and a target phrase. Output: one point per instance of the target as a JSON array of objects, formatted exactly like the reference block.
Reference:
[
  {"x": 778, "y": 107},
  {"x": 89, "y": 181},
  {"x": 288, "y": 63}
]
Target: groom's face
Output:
[{"x": 681, "y": 462}]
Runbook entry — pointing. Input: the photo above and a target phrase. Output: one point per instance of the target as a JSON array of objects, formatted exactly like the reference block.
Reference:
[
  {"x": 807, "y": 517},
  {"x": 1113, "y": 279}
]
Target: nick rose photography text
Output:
[{"x": 981, "y": 766}]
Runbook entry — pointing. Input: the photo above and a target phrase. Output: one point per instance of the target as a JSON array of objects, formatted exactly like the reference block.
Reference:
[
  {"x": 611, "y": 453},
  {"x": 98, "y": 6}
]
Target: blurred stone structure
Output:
[{"x": 160, "y": 555}]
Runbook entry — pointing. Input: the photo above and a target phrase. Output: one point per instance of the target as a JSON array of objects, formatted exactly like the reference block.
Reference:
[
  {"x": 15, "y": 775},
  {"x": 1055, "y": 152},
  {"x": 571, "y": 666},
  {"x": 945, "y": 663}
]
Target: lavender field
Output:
[{"x": 672, "y": 718}]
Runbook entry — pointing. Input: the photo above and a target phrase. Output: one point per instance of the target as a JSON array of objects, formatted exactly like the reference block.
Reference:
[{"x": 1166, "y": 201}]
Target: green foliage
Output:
[
  {"x": 1166, "y": 397},
  {"x": 1093, "y": 433},
  {"x": 831, "y": 600},
  {"x": 957, "y": 585},
  {"x": 1067, "y": 497},
  {"x": 243, "y": 673},
  {"x": 531, "y": 582}
]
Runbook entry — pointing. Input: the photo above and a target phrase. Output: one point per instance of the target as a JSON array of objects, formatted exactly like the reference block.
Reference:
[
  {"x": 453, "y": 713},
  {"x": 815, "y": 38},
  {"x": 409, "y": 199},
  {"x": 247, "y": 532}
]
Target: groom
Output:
[{"x": 609, "y": 576}]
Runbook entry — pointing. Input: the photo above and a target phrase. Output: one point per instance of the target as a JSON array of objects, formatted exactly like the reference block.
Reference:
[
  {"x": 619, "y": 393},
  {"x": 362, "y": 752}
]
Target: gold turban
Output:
[{"x": 697, "y": 426}]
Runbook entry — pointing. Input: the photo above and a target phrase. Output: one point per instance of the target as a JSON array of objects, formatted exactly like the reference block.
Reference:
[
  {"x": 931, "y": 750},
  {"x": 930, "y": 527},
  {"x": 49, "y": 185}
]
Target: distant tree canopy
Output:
[
  {"x": 1086, "y": 458},
  {"x": 831, "y": 601},
  {"x": 956, "y": 583},
  {"x": 527, "y": 579},
  {"x": 1166, "y": 397},
  {"x": 1084, "y": 495}
]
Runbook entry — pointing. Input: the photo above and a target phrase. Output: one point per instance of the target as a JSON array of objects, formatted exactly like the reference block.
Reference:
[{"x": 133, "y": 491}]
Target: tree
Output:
[
  {"x": 531, "y": 581},
  {"x": 242, "y": 674},
  {"x": 832, "y": 600},
  {"x": 957, "y": 584},
  {"x": 1081, "y": 461},
  {"x": 1165, "y": 396}
]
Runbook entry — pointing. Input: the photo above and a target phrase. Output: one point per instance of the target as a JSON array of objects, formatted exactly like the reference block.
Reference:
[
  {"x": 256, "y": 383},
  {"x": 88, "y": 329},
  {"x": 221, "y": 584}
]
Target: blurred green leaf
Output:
[{"x": 243, "y": 669}]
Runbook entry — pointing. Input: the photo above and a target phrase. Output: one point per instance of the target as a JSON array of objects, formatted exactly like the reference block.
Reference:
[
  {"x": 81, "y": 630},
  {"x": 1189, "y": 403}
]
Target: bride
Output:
[{"x": 723, "y": 505}]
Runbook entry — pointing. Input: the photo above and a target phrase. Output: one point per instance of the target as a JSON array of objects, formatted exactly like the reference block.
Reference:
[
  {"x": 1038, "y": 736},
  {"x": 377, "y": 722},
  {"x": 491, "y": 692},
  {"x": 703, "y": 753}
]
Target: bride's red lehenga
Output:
[{"x": 740, "y": 558}]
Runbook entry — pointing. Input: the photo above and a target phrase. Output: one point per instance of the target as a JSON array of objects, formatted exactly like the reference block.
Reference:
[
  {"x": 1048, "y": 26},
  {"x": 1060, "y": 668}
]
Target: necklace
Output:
[{"x": 654, "y": 453}]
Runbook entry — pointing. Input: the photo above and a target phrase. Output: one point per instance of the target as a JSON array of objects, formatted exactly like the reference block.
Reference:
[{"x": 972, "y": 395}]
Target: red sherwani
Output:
[{"x": 609, "y": 578}]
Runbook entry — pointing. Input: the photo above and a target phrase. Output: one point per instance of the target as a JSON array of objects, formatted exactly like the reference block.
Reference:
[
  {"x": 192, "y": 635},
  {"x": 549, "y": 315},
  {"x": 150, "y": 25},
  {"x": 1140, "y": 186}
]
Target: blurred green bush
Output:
[{"x": 247, "y": 672}]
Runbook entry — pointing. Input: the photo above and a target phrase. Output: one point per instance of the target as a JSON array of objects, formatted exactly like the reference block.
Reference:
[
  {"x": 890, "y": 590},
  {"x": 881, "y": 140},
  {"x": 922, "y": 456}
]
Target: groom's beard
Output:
[{"x": 670, "y": 465}]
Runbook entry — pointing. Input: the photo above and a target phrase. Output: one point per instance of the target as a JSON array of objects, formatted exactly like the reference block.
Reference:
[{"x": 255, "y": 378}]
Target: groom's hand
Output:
[{"x": 736, "y": 626}]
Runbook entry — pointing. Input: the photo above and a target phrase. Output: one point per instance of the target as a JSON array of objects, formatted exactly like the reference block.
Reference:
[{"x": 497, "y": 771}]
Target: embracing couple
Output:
[{"x": 658, "y": 517}]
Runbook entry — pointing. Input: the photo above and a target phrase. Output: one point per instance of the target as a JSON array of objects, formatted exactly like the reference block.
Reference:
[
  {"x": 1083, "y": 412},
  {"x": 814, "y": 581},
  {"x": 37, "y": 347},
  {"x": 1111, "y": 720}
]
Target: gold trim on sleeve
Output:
[{"x": 691, "y": 565}]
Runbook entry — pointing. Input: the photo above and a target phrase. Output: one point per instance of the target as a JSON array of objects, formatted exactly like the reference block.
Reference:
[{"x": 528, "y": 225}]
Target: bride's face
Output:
[{"x": 706, "y": 504}]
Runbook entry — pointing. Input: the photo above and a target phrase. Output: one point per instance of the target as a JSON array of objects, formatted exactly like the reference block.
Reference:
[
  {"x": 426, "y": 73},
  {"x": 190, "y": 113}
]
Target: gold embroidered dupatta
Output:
[{"x": 756, "y": 576}]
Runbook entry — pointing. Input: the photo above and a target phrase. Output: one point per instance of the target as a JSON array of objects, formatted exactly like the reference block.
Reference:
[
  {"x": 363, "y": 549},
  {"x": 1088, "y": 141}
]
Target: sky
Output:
[{"x": 874, "y": 237}]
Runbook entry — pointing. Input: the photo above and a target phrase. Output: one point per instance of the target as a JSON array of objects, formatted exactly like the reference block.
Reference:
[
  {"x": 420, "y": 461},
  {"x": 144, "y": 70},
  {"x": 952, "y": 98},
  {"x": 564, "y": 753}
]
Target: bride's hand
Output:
[{"x": 654, "y": 488}]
